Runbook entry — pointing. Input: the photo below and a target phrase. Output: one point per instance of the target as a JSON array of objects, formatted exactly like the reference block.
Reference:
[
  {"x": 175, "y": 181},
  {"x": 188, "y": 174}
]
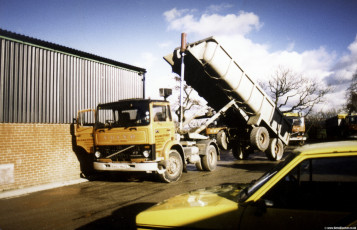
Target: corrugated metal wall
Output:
[{"x": 42, "y": 85}]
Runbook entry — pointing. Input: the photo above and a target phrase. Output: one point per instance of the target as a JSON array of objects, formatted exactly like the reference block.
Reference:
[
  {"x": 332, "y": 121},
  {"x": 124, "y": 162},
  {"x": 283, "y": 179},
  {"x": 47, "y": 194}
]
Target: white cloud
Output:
[
  {"x": 260, "y": 63},
  {"x": 212, "y": 24},
  {"x": 290, "y": 46},
  {"x": 347, "y": 65},
  {"x": 170, "y": 15},
  {"x": 257, "y": 59}
]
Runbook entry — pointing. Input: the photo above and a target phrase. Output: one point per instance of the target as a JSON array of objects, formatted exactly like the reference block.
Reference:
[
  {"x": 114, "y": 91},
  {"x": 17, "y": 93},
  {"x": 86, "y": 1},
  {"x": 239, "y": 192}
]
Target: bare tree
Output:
[
  {"x": 351, "y": 95},
  {"x": 294, "y": 92},
  {"x": 188, "y": 101}
]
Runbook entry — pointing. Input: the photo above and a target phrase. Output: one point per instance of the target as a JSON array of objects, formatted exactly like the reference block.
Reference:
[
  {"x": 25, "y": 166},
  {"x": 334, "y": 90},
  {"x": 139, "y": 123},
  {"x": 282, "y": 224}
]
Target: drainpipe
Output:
[{"x": 144, "y": 85}]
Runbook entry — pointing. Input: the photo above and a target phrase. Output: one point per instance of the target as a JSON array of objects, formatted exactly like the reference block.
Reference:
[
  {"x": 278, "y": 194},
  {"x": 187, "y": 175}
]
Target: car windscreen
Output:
[
  {"x": 256, "y": 184},
  {"x": 123, "y": 114}
]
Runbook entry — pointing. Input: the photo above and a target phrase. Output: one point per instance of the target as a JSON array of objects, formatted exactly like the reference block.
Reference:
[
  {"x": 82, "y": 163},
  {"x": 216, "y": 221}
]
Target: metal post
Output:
[{"x": 182, "y": 51}]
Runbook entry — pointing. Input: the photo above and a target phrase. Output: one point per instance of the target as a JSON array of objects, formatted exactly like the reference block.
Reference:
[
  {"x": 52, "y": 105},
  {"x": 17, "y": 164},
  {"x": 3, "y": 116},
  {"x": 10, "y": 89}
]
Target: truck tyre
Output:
[
  {"x": 241, "y": 152},
  {"x": 222, "y": 140},
  {"x": 174, "y": 168},
  {"x": 259, "y": 138},
  {"x": 276, "y": 150},
  {"x": 209, "y": 161}
]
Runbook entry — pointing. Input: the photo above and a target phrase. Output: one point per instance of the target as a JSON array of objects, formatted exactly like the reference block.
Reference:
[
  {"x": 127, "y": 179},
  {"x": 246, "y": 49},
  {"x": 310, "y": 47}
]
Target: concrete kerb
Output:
[{"x": 26, "y": 191}]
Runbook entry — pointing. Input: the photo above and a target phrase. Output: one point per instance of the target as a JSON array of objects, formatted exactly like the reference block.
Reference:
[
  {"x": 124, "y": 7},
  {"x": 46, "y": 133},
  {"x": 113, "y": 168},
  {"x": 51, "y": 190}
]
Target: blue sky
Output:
[{"x": 316, "y": 38}]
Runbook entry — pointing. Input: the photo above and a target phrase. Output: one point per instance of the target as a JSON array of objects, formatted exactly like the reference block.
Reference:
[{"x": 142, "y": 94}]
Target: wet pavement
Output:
[{"x": 112, "y": 200}]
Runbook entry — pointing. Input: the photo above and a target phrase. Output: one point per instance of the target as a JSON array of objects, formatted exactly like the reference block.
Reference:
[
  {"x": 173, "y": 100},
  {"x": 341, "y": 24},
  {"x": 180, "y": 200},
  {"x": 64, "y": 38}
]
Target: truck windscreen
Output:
[{"x": 123, "y": 114}]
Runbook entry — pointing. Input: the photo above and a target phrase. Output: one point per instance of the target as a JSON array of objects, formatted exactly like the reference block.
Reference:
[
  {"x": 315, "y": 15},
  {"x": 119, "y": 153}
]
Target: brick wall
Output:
[{"x": 34, "y": 154}]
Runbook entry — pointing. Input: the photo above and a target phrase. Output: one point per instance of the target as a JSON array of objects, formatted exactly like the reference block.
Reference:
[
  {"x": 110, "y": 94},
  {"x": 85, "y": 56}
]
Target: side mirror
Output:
[
  {"x": 165, "y": 92},
  {"x": 261, "y": 206}
]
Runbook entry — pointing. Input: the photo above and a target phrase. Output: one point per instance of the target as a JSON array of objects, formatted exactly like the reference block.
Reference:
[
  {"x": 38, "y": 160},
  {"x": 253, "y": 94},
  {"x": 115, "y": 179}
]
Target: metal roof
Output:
[
  {"x": 26, "y": 39},
  {"x": 130, "y": 100}
]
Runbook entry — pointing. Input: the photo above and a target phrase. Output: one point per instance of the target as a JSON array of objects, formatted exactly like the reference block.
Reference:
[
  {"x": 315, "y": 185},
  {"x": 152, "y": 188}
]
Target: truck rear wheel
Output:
[
  {"x": 209, "y": 161},
  {"x": 276, "y": 150},
  {"x": 174, "y": 168},
  {"x": 259, "y": 138},
  {"x": 222, "y": 140}
]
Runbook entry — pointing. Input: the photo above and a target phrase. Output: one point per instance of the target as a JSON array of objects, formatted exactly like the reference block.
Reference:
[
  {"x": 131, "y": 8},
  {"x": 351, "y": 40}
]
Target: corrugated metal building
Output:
[
  {"x": 42, "y": 86},
  {"x": 41, "y": 82}
]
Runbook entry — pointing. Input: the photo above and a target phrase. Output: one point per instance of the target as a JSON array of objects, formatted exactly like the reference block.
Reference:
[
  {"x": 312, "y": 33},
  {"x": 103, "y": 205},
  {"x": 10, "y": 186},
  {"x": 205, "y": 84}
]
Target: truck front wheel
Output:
[
  {"x": 222, "y": 140},
  {"x": 174, "y": 168},
  {"x": 209, "y": 161}
]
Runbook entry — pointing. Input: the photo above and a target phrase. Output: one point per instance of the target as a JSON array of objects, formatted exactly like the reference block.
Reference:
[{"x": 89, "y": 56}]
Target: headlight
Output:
[
  {"x": 146, "y": 153},
  {"x": 97, "y": 154}
]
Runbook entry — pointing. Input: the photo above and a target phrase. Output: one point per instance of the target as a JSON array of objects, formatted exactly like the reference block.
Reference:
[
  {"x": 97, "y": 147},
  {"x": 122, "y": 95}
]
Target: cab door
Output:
[
  {"x": 163, "y": 126},
  {"x": 84, "y": 128}
]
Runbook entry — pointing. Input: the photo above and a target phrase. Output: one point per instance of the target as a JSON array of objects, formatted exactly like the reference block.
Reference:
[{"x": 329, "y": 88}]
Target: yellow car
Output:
[{"x": 315, "y": 187}]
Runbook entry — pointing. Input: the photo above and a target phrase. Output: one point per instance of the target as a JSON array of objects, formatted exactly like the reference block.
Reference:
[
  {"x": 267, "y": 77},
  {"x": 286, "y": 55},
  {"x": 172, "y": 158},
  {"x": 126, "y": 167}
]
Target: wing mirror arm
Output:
[{"x": 260, "y": 206}]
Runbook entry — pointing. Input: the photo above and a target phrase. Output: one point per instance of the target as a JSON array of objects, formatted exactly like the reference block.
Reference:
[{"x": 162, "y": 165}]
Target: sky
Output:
[{"x": 316, "y": 38}]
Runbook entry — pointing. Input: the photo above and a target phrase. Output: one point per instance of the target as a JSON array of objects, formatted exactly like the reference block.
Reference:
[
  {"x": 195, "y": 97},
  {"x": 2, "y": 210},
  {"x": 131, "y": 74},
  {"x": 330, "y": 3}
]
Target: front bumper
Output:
[
  {"x": 131, "y": 167},
  {"x": 297, "y": 138}
]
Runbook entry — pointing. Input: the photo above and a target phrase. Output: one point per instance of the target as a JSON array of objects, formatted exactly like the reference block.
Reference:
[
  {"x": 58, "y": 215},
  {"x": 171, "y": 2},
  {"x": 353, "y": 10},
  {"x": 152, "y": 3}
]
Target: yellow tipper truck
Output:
[
  {"x": 139, "y": 135},
  {"x": 298, "y": 127}
]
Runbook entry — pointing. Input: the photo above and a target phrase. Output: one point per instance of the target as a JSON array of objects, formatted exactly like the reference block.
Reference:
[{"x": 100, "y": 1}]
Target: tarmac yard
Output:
[{"x": 112, "y": 201}]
